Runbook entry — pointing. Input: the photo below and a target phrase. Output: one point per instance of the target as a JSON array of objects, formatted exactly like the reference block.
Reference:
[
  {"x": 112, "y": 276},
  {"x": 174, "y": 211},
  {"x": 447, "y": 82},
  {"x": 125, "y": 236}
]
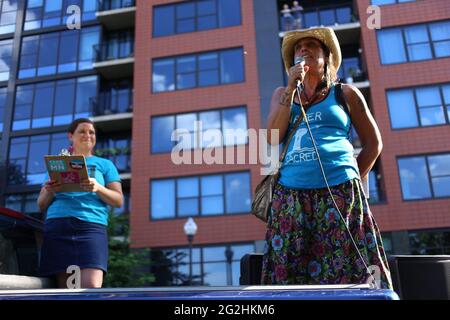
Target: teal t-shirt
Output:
[
  {"x": 330, "y": 127},
  {"x": 86, "y": 206}
]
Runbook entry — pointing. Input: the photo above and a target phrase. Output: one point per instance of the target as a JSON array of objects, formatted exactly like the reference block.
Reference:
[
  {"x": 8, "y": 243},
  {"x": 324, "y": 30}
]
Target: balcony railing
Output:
[
  {"x": 321, "y": 16},
  {"x": 351, "y": 71},
  {"x": 118, "y": 151},
  {"x": 105, "y": 5},
  {"x": 119, "y": 101},
  {"x": 114, "y": 50}
]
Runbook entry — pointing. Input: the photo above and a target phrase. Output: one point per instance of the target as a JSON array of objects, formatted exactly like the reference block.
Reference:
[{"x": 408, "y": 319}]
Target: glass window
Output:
[
  {"x": 85, "y": 97},
  {"x": 48, "y": 50},
  {"x": 232, "y": 66},
  {"x": 186, "y": 122},
  {"x": 237, "y": 188},
  {"x": 198, "y": 71},
  {"x": 89, "y": 9},
  {"x": 212, "y": 195},
  {"x": 47, "y": 13},
  {"x": 440, "y": 174},
  {"x": 64, "y": 102},
  {"x": 43, "y": 102},
  {"x": 39, "y": 147},
  {"x": 218, "y": 127},
  {"x": 414, "y": 178},
  {"x": 229, "y": 13},
  {"x": 186, "y": 75},
  {"x": 211, "y": 254},
  {"x": 402, "y": 109},
  {"x": 211, "y": 135},
  {"x": 311, "y": 19},
  {"x": 208, "y": 65},
  {"x": 162, "y": 128},
  {"x": 53, "y": 103},
  {"x": 374, "y": 195},
  {"x": 163, "y": 75},
  {"x": 327, "y": 17},
  {"x": 215, "y": 274},
  {"x": 390, "y": 44},
  {"x": 187, "y": 197},
  {"x": 23, "y": 107},
  {"x": 198, "y": 15},
  {"x": 89, "y": 39},
  {"x": 163, "y": 199},
  {"x": 344, "y": 15},
  {"x": 418, "y": 43},
  {"x": 203, "y": 195},
  {"x": 25, "y": 203},
  {"x": 116, "y": 148},
  {"x": 418, "y": 106},
  {"x": 235, "y": 122},
  {"x": 18, "y": 148},
  {"x": 56, "y": 52},
  {"x": 14, "y": 202},
  {"x": 26, "y": 158},
  {"x": 430, "y": 108},
  {"x": 446, "y": 90},
  {"x": 163, "y": 21},
  {"x": 68, "y": 53},
  {"x": 8, "y": 15},
  {"x": 213, "y": 260},
  {"x": 210, "y": 120},
  {"x": 28, "y": 58},
  {"x": 185, "y": 13},
  {"x": 5, "y": 58},
  {"x": 430, "y": 242},
  {"x": 3, "y": 93},
  {"x": 440, "y": 34},
  {"x": 59, "y": 142},
  {"x": 207, "y": 16},
  {"x": 383, "y": 2}
]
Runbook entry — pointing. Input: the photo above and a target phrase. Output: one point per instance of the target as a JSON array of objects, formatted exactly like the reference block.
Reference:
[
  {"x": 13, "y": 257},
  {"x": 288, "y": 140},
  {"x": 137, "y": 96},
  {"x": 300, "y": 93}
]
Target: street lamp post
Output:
[
  {"x": 229, "y": 256},
  {"x": 190, "y": 229}
]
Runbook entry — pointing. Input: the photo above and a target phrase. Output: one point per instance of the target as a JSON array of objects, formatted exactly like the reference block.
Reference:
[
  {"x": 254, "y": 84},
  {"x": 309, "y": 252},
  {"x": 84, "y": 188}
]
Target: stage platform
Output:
[{"x": 324, "y": 292}]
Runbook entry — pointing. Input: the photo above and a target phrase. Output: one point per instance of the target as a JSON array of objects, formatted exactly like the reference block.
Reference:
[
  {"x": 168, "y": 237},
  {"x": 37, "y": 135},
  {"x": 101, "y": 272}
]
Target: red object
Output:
[{"x": 12, "y": 213}]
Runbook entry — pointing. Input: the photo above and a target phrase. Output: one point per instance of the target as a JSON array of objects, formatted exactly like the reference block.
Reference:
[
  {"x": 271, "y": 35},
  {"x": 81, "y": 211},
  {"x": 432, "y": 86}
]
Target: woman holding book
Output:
[{"x": 75, "y": 231}]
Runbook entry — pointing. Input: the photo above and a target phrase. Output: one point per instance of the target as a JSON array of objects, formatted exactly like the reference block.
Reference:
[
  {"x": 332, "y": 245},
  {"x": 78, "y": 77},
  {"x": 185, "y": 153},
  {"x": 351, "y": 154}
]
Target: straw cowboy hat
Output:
[{"x": 323, "y": 34}]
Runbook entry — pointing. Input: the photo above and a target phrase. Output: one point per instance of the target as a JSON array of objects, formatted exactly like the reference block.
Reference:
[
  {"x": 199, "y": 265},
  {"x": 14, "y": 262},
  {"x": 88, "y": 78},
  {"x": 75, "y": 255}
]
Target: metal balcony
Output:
[
  {"x": 116, "y": 14},
  {"x": 340, "y": 18},
  {"x": 115, "y": 60}
]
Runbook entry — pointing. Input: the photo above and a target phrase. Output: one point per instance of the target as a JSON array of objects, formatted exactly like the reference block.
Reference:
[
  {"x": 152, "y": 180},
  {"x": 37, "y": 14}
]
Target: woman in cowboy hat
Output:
[{"x": 313, "y": 238}]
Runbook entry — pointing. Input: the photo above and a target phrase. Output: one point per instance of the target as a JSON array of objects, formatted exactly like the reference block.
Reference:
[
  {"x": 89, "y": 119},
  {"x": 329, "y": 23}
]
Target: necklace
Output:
[{"x": 310, "y": 100}]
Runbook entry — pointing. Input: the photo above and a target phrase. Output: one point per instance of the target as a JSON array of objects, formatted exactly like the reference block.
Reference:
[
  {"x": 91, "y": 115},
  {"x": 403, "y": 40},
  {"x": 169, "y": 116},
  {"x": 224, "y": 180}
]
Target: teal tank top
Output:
[{"x": 330, "y": 127}]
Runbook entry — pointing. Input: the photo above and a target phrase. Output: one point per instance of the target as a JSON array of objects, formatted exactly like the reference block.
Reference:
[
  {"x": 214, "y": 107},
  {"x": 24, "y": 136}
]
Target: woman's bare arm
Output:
[
  {"x": 280, "y": 111},
  {"x": 366, "y": 127}
]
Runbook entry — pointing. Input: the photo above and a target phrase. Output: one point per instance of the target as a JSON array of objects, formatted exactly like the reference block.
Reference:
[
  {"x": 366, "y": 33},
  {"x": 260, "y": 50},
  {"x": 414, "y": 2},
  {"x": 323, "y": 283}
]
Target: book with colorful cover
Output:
[{"x": 68, "y": 170}]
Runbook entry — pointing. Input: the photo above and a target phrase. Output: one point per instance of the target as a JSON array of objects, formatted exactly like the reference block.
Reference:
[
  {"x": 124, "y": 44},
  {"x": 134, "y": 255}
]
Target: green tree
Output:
[{"x": 126, "y": 267}]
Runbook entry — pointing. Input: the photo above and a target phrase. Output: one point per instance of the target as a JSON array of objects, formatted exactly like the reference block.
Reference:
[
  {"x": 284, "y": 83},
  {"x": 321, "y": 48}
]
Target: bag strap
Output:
[
  {"x": 339, "y": 96},
  {"x": 291, "y": 134}
]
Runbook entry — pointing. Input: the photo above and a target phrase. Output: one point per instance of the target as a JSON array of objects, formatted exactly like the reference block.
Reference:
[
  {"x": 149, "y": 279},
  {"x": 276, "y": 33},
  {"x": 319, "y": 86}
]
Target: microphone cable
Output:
[{"x": 372, "y": 279}]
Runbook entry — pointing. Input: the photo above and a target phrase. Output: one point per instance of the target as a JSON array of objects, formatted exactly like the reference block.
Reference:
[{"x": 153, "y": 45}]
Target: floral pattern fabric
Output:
[{"x": 307, "y": 241}]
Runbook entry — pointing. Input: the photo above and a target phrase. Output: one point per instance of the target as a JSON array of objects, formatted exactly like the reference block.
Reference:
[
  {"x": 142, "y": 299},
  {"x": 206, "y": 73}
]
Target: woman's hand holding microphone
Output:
[{"x": 297, "y": 73}]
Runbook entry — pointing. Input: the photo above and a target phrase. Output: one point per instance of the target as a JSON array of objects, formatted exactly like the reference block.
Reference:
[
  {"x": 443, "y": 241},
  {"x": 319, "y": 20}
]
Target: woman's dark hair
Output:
[
  {"x": 330, "y": 73},
  {"x": 74, "y": 125}
]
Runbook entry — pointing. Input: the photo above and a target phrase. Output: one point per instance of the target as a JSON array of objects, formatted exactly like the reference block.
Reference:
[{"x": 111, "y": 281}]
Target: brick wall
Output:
[
  {"x": 397, "y": 214},
  {"x": 222, "y": 229}
]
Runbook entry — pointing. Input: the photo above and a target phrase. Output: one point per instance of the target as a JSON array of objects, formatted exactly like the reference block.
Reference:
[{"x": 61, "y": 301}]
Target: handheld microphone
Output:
[{"x": 299, "y": 60}]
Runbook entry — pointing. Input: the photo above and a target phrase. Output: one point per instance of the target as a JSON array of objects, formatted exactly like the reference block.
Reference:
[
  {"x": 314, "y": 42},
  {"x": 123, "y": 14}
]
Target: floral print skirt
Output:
[{"x": 307, "y": 242}]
